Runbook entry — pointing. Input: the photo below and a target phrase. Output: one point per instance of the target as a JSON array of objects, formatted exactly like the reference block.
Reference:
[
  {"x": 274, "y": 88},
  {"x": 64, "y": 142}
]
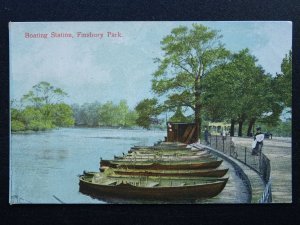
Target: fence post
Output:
[
  {"x": 245, "y": 155},
  {"x": 260, "y": 164},
  {"x": 223, "y": 143}
]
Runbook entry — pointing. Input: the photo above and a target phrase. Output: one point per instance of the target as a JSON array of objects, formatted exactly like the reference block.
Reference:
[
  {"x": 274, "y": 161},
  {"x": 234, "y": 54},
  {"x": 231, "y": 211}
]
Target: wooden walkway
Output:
[
  {"x": 255, "y": 181},
  {"x": 278, "y": 150}
]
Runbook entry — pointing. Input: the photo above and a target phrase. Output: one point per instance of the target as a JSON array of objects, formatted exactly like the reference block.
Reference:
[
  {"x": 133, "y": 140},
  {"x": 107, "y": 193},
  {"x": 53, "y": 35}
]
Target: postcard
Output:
[{"x": 184, "y": 112}]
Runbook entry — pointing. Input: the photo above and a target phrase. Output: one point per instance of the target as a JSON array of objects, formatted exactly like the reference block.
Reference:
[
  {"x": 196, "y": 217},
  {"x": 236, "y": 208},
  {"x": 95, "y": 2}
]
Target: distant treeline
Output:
[
  {"x": 107, "y": 114},
  {"x": 42, "y": 108}
]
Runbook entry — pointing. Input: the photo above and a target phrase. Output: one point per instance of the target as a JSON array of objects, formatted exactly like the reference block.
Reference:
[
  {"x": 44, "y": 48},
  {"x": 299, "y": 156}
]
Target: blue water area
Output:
[{"x": 44, "y": 166}]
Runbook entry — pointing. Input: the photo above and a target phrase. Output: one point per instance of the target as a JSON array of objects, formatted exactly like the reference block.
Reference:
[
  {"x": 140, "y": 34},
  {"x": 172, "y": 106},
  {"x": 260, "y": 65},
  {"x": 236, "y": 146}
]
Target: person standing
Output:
[
  {"x": 223, "y": 135},
  {"x": 206, "y": 135},
  {"x": 258, "y": 142}
]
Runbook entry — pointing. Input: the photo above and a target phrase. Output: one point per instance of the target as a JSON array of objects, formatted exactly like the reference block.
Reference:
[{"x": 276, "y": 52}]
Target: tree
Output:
[
  {"x": 189, "y": 55},
  {"x": 77, "y": 114},
  {"x": 107, "y": 114},
  {"x": 62, "y": 115},
  {"x": 238, "y": 91},
  {"x": 146, "y": 110},
  {"x": 44, "y": 93},
  {"x": 131, "y": 118},
  {"x": 283, "y": 81},
  {"x": 89, "y": 114},
  {"x": 121, "y": 112},
  {"x": 43, "y": 109},
  {"x": 34, "y": 119},
  {"x": 178, "y": 116}
]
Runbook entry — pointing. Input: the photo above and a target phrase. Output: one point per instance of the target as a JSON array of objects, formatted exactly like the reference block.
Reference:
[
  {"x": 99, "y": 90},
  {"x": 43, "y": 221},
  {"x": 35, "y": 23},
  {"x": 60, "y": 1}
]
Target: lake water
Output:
[{"x": 44, "y": 166}]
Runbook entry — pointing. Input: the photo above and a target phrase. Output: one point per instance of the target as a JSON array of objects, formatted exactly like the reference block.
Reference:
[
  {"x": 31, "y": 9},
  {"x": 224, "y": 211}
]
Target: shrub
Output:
[{"x": 17, "y": 125}]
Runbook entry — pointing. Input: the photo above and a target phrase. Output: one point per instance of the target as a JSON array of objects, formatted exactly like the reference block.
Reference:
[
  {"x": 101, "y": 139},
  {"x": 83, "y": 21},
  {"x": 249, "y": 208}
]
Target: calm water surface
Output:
[{"x": 44, "y": 166}]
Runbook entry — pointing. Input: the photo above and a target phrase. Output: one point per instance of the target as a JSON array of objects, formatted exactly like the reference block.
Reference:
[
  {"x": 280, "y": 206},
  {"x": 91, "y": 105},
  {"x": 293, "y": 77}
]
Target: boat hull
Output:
[
  {"x": 164, "y": 158},
  {"x": 170, "y": 173},
  {"x": 192, "y": 165},
  {"x": 128, "y": 191}
]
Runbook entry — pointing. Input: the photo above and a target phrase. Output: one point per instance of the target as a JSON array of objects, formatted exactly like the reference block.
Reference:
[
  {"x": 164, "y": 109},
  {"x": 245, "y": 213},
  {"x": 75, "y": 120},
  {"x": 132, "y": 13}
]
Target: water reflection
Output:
[
  {"x": 47, "y": 154},
  {"x": 118, "y": 138}
]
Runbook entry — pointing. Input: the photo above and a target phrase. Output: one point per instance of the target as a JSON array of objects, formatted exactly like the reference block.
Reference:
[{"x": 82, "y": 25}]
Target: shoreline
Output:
[{"x": 85, "y": 127}]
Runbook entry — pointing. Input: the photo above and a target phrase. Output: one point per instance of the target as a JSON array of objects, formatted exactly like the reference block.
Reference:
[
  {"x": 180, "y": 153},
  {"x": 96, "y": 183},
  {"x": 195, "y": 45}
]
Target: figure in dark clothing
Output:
[
  {"x": 206, "y": 135},
  {"x": 258, "y": 142}
]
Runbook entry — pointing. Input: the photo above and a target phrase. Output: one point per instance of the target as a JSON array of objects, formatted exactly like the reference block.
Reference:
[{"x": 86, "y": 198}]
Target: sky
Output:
[{"x": 112, "y": 67}]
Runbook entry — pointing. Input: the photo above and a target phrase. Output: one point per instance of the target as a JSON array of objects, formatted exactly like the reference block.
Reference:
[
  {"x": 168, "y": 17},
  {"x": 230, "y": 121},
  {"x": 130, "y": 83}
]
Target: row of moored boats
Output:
[{"x": 165, "y": 171}]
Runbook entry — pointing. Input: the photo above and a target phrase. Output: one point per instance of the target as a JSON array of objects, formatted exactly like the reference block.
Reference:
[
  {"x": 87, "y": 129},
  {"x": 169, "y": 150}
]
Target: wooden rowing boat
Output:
[
  {"x": 178, "y": 165},
  {"x": 152, "y": 148},
  {"x": 158, "y": 154},
  {"x": 166, "y": 152},
  {"x": 160, "y": 188},
  {"x": 163, "y": 151},
  {"x": 173, "y": 160},
  {"x": 169, "y": 173},
  {"x": 162, "y": 157},
  {"x": 158, "y": 147},
  {"x": 171, "y": 143}
]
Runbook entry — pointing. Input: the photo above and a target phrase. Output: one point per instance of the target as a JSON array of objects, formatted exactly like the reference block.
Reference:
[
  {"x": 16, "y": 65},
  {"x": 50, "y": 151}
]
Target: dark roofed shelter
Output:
[{"x": 181, "y": 132}]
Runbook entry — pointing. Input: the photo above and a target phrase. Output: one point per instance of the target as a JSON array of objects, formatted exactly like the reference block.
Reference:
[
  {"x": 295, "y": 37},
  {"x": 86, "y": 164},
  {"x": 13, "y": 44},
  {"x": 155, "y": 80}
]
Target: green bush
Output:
[
  {"x": 36, "y": 125},
  {"x": 17, "y": 125}
]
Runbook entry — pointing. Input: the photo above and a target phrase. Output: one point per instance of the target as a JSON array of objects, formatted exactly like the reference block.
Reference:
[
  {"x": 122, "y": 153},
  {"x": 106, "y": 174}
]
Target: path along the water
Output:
[{"x": 279, "y": 151}]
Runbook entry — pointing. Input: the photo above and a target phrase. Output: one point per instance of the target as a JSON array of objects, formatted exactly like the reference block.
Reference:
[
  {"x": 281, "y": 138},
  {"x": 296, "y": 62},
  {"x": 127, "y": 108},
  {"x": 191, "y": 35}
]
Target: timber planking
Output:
[{"x": 278, "y": 150}]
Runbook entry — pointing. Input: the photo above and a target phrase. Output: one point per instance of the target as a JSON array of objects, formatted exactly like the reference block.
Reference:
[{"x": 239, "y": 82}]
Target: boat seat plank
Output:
[
  {"x": 110, "y": 182},
  {"x": 152, "y": 184}
]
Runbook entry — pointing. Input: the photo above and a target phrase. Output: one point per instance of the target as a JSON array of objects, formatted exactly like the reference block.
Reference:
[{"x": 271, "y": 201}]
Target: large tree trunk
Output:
[
  {"x": 198, "y": 122},
  {"x": 240, "y": 132},
  {"x": 232, "y": 122},
  {"x": 250, "y": 126},
  {"x": 241, "y": 121},
  {"x": 197, "y": 108}
]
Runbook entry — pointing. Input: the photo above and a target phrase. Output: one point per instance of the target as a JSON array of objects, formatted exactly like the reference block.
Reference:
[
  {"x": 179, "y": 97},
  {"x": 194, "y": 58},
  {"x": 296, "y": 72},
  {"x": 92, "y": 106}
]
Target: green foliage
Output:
[
  {"x": 131, "y": 118},
  {"x": 43, "y": 93},
  {"x": 147, "y": 109},
  {"x": 189, "y": 55},
  {"x": 62, "y": 115},
  {"x": 179, "y": 116},
  {"x": 16, "y": 114},
  {"x": 283, "y": 81},
  {"x": 31, "y": 114},
  {"x": 107, "y": 114},
  {"x": 240, "y": 90},
  {"x": 88, "y": 114},
  {"x": 43, "y": 110},
  {"x": 17, "y": 125},
  {"x": 38, "y": 125},
  {"x": 281, "y": 129}
]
